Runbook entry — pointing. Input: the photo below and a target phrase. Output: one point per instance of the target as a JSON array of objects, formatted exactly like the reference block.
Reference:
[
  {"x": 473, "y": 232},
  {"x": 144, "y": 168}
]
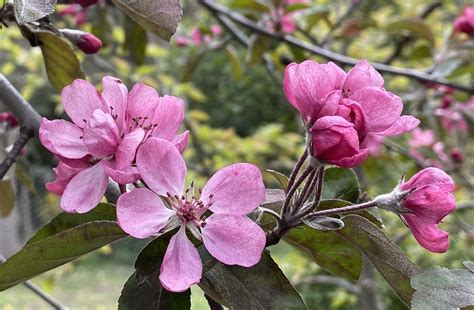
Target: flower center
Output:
[{"x": 189, "y": 207}]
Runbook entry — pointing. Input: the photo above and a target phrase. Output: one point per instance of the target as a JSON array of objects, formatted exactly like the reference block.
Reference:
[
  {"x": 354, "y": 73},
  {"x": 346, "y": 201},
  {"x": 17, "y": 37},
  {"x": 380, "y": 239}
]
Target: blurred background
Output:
[{"x": 236, "y": 111}]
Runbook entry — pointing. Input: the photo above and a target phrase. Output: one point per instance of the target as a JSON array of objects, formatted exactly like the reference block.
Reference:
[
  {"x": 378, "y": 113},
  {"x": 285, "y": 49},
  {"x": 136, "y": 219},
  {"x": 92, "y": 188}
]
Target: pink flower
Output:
[
  {"x": 86, "y": 3},
  {"x": 216, "y": 30},
  {"x": 465, "y": 22},
  {"x": 228, "y": 234},
  {"x": 77, "y": 12},
  {"x": 430, "y": 202},
  {"x": 8, "y": 118},
  {"x": 182, "y": 41},
  {"x": 320, "y": 90},
  {"x": 452, "y": 120},
  {"x": 196, "y": 36},
  {"x": 103, "y": 138},
  {"x": 421, "y": 137}
]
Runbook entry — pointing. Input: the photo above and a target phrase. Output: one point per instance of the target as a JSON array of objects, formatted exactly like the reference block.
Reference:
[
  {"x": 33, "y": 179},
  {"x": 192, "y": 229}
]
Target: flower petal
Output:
[
  {"x": 85, "y": 190},
  {"x": 80, "y": 99},
  {"x": 381, "y": 107},
  {"x": 64, "y": 174},
  {"x": 403, "y": 124},
  {"x": 101, "y": 135},
  {"x": 141, "y": 213},
  {"x": 181, "y": 141},
  {"x": 62, "y": 138},
  {"x": 126, "y": 175},
  {"x": 427, "y": 234},
  {"x": 142, "y": 102},
  {"x": 235, "y": 189},
  {"x": 362, "y": 75},
  {"x": 168, "y": 116},
  {"x": 161, "y": 166},
  {"x": 181, "y": 266},
  {"x": 126, "y": 151},
  {"x": 430, "y": 176},
  {"x": 233, "y": 239},
  {"x": 115, "y": 95}
]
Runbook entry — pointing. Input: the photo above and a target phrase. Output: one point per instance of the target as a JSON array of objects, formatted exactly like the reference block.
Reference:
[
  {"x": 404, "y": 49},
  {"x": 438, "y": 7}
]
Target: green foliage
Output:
[
  {"x": 340, "y": 183},
  {"x": 262, "y": 286},
  {"x": 442, "y": 288},
  {"x": 8, "y": 197},
  {"x": 67, "y": 237}
]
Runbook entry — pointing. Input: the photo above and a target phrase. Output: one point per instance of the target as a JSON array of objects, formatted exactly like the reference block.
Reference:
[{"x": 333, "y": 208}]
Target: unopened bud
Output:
[
  {"x": 85, "y": 3},
  {"x": 87, "y": 42},
  {"x": 8, "y": 118},
  {"x": 457, "y": 156},
  {"x": 392, "y": 201}
]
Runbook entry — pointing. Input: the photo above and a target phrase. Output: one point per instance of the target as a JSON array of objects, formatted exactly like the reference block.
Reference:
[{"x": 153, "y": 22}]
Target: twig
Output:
[
  {"x": 40, "y": 293},
  {"x": 350, "y": 10},
  {"x": 289, "y": 39},
  {"x": 25, "y": 134},
  {"x": 348, "y": 209}
]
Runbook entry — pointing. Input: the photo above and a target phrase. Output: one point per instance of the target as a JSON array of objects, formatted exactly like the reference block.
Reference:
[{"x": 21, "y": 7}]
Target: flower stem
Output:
[
  {"x": 296, "y": 169},
  {"x": 292, "y": 190},
  {"x": 361, "y": 206}
]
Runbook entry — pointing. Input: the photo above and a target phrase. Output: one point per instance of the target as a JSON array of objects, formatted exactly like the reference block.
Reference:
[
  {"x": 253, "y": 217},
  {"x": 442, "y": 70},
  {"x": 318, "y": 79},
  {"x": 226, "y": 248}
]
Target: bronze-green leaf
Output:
[{"x": 8, "y": 197}]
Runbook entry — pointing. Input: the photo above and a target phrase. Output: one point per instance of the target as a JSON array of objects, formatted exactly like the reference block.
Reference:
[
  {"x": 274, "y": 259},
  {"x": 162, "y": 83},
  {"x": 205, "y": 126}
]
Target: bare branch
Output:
[
  {"x": 25, "y": 134},
  {"x": 289, "y": 39}
]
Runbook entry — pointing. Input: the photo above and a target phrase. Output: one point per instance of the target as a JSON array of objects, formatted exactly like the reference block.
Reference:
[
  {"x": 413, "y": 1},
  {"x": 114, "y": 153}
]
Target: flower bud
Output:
[
  {"x": 422, "y": 202},
  {"x": 87, "y": 42},
  {"x": 8, "y": 118},
  {"x": 465, "y": 22},
  {"x": 457, "y": 156},
  {"x": 86, "y": 3}
]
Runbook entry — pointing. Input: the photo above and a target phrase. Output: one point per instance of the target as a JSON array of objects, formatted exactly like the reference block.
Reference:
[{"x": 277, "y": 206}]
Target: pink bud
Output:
[
  {"x": 216, "y": 30},
  {"x": 465, "y": 22},
  {"x": 182, "y": 41},
  {"x": 89, "y": 43},
  {"x": 196, "y": 36},
  {"x": 86, "y": 3},
  {"x": 446, "y": 102},
  {"x": 9, "y": 118},
  {"x": 430, "y": 201},
  {"x": 457, "y": 156},
  {"x": 335, "y": 141}
]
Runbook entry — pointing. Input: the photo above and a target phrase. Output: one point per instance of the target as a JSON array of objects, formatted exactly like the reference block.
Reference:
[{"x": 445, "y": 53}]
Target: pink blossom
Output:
[
  {"x": 86, "y": 3},
  {"x": 196, "y": 36},
  {"x": 76, "y": 11},
  {"x": 457, "y": 156},
  {"x": 216, "y": 30},
  {"x": 8, "y": 118},
  {"x": 421, "y": 137},
  {"x": 465, "y": 22},
  {"x": 430, "y": 202},
  {"x": 228, "y": 234},
  {"x": 374, "y": 144},
  {"x": 452, "y": 120},
  {"x": 320, "y": 90},
  {"x": 105, "y": 132},
  {"x": 182, "y": 41}
]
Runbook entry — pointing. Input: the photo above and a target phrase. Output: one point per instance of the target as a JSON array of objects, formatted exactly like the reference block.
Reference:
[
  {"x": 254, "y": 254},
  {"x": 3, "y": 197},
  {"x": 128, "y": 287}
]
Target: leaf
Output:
[
  {"x": 280, "y": 177},
  {"x": 31, "y": 10},
  {"x": 324, "y": 223},
  {"x": 327, "y": 249},
  {"x": 7, "y": 202},
  {"x": 340, "y": 183},
  {"x": 234, "y": 62},
  {"x": 414, "y": 26},
  {"x": 65, "y": 221},
  {"x": 443, "y": 289},
  {"x": 160, "y": 17},
  {"x": 253, "y": 5},
  {"x": 143, "y": 289},
  {"x": 25, "y": 179},
  {"x": 56, "y": 250},
  {"x": 273, "y": 199},
  {"x": 136, "y": 41},
  {"x": 386, "y": 256},
  {"x": 191, "y": 65},
  {"x": 257, "y": 47},
  {"x": 262, "y": 286},
  {"x": 62, "y": 65}
]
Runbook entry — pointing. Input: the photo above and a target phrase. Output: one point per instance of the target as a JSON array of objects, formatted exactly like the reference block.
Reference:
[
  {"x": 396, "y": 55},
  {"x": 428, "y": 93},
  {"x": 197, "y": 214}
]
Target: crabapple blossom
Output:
[
  {"x": 87, "y": 42},
  {"x": 465, "y": 22},
  {"x": 328, "y": 100},
  {"x": 102, "y": 139},
  {"x": 430, "y": 201},
  {"x": 228, "y": 234}
]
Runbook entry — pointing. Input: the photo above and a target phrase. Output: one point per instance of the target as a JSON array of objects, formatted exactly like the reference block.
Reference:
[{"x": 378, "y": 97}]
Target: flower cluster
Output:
[
  {"x": 343, "y": 112},
  {"x": 131, "y": 138},
  {"x": 197, "y": 37},
  {"x": 283, "y": 20}
]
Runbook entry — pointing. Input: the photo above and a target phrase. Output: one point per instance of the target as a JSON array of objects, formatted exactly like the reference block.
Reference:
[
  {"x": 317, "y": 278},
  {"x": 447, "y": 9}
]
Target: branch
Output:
[
  {"x": 291, "y": 40},
  {"x": 350, "y": 10},
  {"x": 25, "y": 134}
]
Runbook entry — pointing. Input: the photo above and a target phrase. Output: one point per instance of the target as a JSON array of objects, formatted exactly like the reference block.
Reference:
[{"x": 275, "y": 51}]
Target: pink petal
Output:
[
  {"x": 85, "y": 190},
  {"x": 430, "y": 177},
  {"x": 126, "y": 151},
  {"x": 382, "y": 108},
  {"x": 181, "y": 266},
  {"x": 430, "y": 203},
  {"x": 126, "y": 175},
  {"x": 353, "y": 161},
  {"x": 101, "y": 135},
  {"x": 427, "y": 234},
  {"x": 142, "y": 102},
  {"x": 82, "y": 163},
  {"x": 181, "y": 141},
  {"x": 234, "y": 239},
  {"x": 168, "y": 116},
  {"x": 80, "y": 99},
  {"x": 141, "y": 213},
  {"x": 161, "y": 166},
  {"x": 115, "y": 95},
  {"x": 236, "y": 189},
  {"x": 64, "y": 174},
  {"x": 403, "y": 124},
  {"x": 62, "y": 138},
  {"x": 362, "y": 75}
]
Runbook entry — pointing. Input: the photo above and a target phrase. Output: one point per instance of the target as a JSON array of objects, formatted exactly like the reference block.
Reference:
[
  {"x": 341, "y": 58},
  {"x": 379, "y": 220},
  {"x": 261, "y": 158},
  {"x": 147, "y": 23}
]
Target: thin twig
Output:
[
  {"x": 296, "y": 169},
  {"x": 292, "y": 190},
  {"x": 348, "y": 209},
  {"x": 350, "y": 10},
  {"x": 40, "y": 293},
  {"x": 290, "y": 39},
  {"x": 25, "y": 134}
]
